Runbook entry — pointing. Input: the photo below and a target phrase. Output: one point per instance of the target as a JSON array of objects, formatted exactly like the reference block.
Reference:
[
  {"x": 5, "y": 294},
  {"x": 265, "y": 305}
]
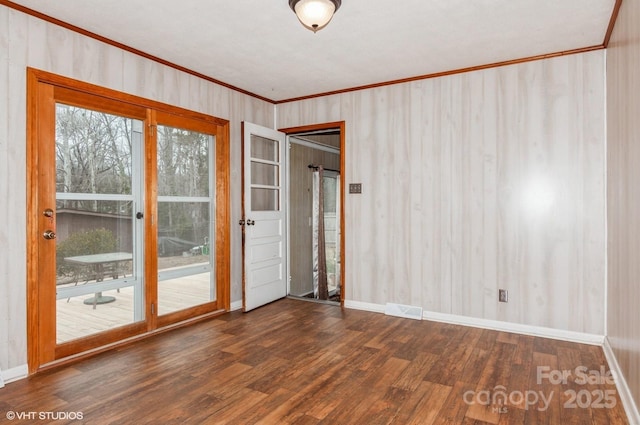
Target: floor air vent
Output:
[{"x": 406, "y": 311}]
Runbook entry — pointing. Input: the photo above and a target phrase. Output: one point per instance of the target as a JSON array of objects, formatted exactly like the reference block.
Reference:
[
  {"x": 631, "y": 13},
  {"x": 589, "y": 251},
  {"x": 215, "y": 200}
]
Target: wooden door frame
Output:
[
  {"x": 42, "y": 351},
  {"x": 340, "y": 125}
]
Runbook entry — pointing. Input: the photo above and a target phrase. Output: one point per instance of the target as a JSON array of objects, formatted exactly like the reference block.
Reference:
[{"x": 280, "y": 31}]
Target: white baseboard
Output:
[
  {"x": 14, "y": 374},
  {"x": 580, "y": 337},
  {"x": 630, "y": 407},
  {"x": 236, "y": 305},
  {"x": 518, "y": 328},
  {"x": 359, "y": 305}
]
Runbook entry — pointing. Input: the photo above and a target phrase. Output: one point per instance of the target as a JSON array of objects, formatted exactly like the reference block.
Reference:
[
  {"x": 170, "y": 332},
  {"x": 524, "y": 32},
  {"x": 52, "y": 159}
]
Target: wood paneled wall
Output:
[
  {"x": 623, "y": 203},
  {"x": 29, "y": 42},
  {"x": 475, "y": 182}
]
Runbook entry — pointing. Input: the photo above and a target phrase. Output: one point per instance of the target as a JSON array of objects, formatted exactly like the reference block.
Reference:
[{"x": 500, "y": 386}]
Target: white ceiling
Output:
[{"x": 259, "y": 45}]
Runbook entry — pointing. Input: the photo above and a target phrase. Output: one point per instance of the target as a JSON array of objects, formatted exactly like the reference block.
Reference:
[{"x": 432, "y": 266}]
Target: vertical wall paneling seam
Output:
[
  {"x": 275, "y": 116},
  {"x": 606, "y": 197},
  {"x": 452, "y": 141}
]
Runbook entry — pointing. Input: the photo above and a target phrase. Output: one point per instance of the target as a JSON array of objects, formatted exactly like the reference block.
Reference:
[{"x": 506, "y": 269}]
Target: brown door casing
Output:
[{"x": 329, "y": 126}]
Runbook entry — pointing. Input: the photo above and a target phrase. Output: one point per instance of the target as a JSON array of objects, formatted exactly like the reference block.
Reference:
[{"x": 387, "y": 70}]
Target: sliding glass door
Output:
[{"x": 128, "y": 218}]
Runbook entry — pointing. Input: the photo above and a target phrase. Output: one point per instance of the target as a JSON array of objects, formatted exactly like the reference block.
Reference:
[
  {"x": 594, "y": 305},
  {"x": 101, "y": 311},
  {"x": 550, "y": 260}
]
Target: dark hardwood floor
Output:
[{"x": 304, "y": 363}]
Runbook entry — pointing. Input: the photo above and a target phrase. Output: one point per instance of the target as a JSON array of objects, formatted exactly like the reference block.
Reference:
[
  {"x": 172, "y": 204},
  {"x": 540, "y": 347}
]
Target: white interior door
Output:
[{"x": 263, "y": 219}]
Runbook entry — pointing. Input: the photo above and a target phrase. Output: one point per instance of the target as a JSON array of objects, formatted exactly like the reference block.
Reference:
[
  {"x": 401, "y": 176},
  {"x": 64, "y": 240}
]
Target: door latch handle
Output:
[
  {"x": 251, "y": 222},
  {"x": 49, "y": 234},
  {"x": 241, "y": 222}
]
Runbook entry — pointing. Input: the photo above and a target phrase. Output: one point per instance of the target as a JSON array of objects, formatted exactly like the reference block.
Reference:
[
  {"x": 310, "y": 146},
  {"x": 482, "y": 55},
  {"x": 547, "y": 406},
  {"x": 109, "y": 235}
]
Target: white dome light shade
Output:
[{"x": 314, "y": 14}]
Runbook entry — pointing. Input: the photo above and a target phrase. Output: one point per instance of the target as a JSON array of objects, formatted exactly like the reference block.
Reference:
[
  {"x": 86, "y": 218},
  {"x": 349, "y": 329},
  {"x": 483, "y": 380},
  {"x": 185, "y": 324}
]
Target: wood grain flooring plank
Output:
[
  {"x": 487, "y": 339},
  {"x": 372, "y": 387},
  {"x": 459, "y": 349},
  {"x": 414, "y": 374},
  {"x": 306, "y": 420},
  {"x": 322, "y": 396},
  {"x": 548, "y": 413},
  {"x": 514, "y": 417},
  {"x": 524, "y": 350},
  {"x": 495, "y": 377},
  {"x": 425, "y": 404},
  {"x": 475, "y": 365},
  {"x": 454, "y": 408}
]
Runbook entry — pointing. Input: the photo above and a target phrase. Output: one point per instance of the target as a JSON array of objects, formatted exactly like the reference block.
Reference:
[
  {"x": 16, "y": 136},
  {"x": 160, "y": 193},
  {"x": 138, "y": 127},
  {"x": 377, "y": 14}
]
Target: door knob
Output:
[
  {"x": 251, "y": 222},
  {"x": 49, "y": 234},
  {"x": 241, "y": 222}
]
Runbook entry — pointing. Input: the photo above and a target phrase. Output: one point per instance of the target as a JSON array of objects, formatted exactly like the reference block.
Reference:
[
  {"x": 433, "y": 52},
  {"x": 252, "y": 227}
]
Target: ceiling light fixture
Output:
[{"x": 315, "y": 14}]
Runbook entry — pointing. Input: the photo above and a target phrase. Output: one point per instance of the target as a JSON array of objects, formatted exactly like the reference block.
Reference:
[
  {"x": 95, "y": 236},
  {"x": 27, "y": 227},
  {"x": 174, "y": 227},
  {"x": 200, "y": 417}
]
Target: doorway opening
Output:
[{"x": 315, "y": 215}]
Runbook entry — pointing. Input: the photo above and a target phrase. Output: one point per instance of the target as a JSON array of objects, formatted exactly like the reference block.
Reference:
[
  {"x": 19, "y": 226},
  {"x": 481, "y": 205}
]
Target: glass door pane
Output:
[
  {"x": 186, "y": 194},
  {"x": 265, "y": 174},
  {"x": 98, "y": 285}
]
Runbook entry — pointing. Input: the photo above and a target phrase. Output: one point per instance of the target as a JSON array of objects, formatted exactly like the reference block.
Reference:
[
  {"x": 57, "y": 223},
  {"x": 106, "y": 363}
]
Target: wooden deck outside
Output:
[
  {"x": 76, "y": 319},
  {"x": 295, "y": 362}
]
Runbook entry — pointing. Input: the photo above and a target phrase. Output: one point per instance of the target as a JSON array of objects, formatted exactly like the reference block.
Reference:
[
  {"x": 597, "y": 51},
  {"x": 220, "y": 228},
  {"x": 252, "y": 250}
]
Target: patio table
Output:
[{"x": 98, "y": 262}]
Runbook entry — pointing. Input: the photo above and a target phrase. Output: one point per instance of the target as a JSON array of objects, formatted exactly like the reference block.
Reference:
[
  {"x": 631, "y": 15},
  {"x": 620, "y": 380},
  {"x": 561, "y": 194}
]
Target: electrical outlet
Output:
[{"x": 503, "y": 295}]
